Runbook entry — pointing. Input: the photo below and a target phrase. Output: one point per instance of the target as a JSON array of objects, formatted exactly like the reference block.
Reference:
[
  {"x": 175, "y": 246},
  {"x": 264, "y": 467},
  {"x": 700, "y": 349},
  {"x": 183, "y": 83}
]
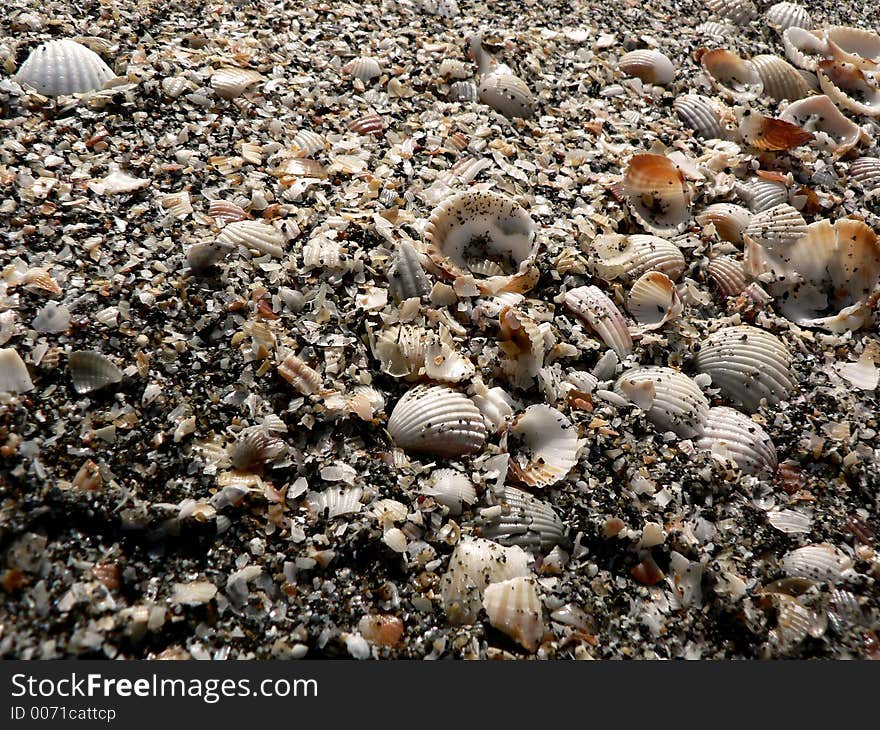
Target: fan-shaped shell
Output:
[
  {"x": 305, "y": 379},
  {"x": 823, "y": 562},
  {"x": 728, "y": 275},
  {"x": 254, "y": 235},
  {"x": 761, "y": 194},
  {"x": 225, "y": 211},
  {"x": 781, "y": 80},
  {"x": 854, "y": 45},
  {"x": 789, "y": 521},
  {"x": 175, "y": 86},
  {"x": 451, "y": 488},
  {"x": 308, "y": 142},
  {"x": 740, "y": 12},
  {"x": 464, "y": 91},
  {"x": 832, "y": 131},
  {"x": 777, "y": 226},
  {"x": 788, "y": 15},
  {"x": 732, "y": 76},
  {"x": 525, "y": 521},
  {"x": 866, "y": 171},
  {"x": 631, "y": 256},
  {"x": 368, "y": 124},
  {"x": 747, "y": 365},
  {"x": 658, "y": 194},
  {"x": 91, "y": 371},
  {"x": 14, "y": 376},
  {"x": 507, "y": 94},
  {"x": 254, "y": 447},
  {"x": 400, "y": 350},
  {"x": 543, "y": 446},
  {"x": 804, "y": 48},
  {"x": 850, "y": 87},
  {"x": 406, "y": 277},
  {"x": 671, "y": 400},
  {"x": 715, "y": 30},
  {"x": 729, "y": 220},
  {"x": 602, "y": 315},
  {"x": 652, "y": 67},
  {"x": 335, "y": 501},
  {"x": 364, "y": 68},
  {"x": 700, "y": 114},
  {"x": 653, "y": 300},
  {"x": 765, "y": 133},
  {"x": 514, "y": 607},
  {"x": 230, "y": 83},
  {"x": 733, "y": 436},
  {"x": 437, "y": 420},
  {"x": 61, "y": 67}
]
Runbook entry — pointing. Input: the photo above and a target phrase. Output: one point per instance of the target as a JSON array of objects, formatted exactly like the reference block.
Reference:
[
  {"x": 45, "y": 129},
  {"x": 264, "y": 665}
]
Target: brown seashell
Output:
[
  {"x": 734, "y": 77},
  {"x": 768, "y": 134},
  {"x": 303, "y": 378},
  {"x": 653, "y": 300},
  {"x": 368, "y": 124},
  {"x": 658, "y": 194}
]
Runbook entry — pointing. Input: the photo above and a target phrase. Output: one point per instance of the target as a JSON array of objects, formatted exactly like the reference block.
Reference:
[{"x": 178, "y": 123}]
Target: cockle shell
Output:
[
  {"x": 769, "y": 134},
  {"x": 230, "y": 83},
  {"x": 631, "y": 256},
  {"x": 734, "y": 77},
  {"x": 514, "y": 607},
  {"x": 487, "y": 235},
  {"x": 225, "y": 212},
  {"x": 443, "y": 362},
  {"x": 822, "y": 562},
  {"x": 658, "y": 194},
  {"x": 787, "y": 15},
  {"x": 175, "y": 86},
  {"x": 715, "y": 30},
  {"x": 524, "y": 520},
  {"x": 91, "y": 371},
  {"x": 437, "y": 420},
  {"x": 670, "y": 399},
  {"x": 650, "y": 66},
  {"x": 747, "y": 365},
  {"x": 255, "y": 235},
  {"x": 308, "y": 142},
  {"x": 61, "y": 67},
  {"x": 761, "y": 193},
  {"x": 507, "y": 94},
  {"x": 14, "y": 376},
  {"x": 737, "y": 11},
  {"x": 789, "y": 521},
  {"x": 543, "y": 446},
  {"x": 728, "y": 275},
  {"x": 653, "y": 300},
  {"x": 451, "y": 488},
  {"x": 602, "y": 315},
  {"x": 854, "y": 45},
  {"x": 464, "y": 91},
  {"x": 729, "y": 220},
  {"x": 850, "y": 87},
  {"x": 781, "y": 80},
  {"x": 335, "y": 501},
  {"x": 700, "y": 114},
  {"x": 368, "y": 124},
  {"x": 305, "y": 379},
  {"x": 832, "y": 131},
  {"x": 400, "y": 350},
  {"x": 254, "y": 447},
  {"x": 805, "y": 48},
  {"x": 778, "y": 226},
  {"x": 452, "y": 68},
  {"x": 364, "y": 68},
  {"x": 733, "y": 436},
  {"x": 406, "y": 277},
  {"x": 293, "y": 168},
  {"x": 496, "y": 405},
  {"x": 523, "y": 342},
  {"x": 866, "y": 171}
]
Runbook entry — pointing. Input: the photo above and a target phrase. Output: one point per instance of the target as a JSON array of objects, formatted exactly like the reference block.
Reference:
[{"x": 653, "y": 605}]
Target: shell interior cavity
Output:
[
  {"x": 543, "y": 446},
  {"x": 732, "y": 76},
  {"x": 832, "y": 131},
  {"x": 658, "y": 194},
  {"x": 804, "y": 48},
  {"x": 91, "y": 371},
  {"x": 670, "y": 399},
  {"x": 61, "y": 67}
]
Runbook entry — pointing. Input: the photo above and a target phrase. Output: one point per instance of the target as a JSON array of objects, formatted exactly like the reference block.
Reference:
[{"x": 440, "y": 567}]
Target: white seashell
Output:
[
  {"x": 322, "y": 252},
  {"x": 740, "y": 12},
  {"x": 406, "y": 277},
  {"x": 177, "y": 204},
  {"x": 657, "y": 193},
  {"x": 451, "y": 488},
  {"x": 823, "y": 563},
  {"x": 464, "y": 91},
  {"x": 335, "y": 501},
  {"x": 523, "y": 342},
  {"x": 400, "y": 350},
  {"x": 778, "y": 226},
  {"x": 118, "y": 182},
  {"x": 175, "y": 86},
  {"x": 729, "y": 220},
  {"x": 254, "y": 447},
  {"x": 854, "y": 45},
  {"x": 304, "y": 379},
  {"x": 230, "y": 83},
  {"x": 91, "y": 371},
  {"x": 631, "y": 256},
  {"x": 805, "y": 48},
  {"x": 747, "y": 365},
  {"x": 543, "y": 446},
  {"x": 733, "y": 436},
  {"x": 388, "y": 510},
  {"x": 781, "y": 80},
  {"x": 507, "y": 94},
  {"x": 444, "y": 363},
  {"x": 487, "y": 235},
  {"x": 685, "y": 579},
  {"x": 832, "y": 131},
  {"x": 61, "y": 67},
  {"x": 700, "y": 114},
  {"x": 364, "y": 68},
  {"x": 670, "y": 399},
  {"x": 52, "y": 318},
  {"x": 760, "y": 193},
  {"x": 861, "y": 374},
  {"x": 440, "y": 8},
  {"x": 523, "y": 520},
  {"x": 225, "y": 211},
  {"x": 14, "y": 377},
  {"x": 789, "y": 521},
  {"x": 850, "y": 87},
  {"x": 866, "y": 171},
  {"x": 496, "y": 405},
  {"x": 734, "y": 77},
  {"x": 650, "y": 66},
  {"x": 787, "y": 15},
  {"x": 728, "y": 274},
  {"x": 604, "y": 318},
  {"x": 653, "y": 300},
  {"x": 514, "y": 607},
  {"x": 309, "y": 142},
  {"x": 451, "y": 68},
  {"x": 254, "y": 235},
  {"x": 794, "y": 621},
  {"x": 715, "y": 30},
  {"x": 437, "y": 420},
  {"x": 475, "y": 563}
]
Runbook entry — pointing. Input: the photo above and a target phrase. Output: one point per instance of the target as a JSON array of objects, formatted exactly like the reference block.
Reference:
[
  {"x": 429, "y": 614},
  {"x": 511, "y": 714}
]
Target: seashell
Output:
[
  {"x": 657, "y": 193},
  {"x": 437, "y": 420},
  {"x": 381, "y": 630},
  {"x": 61, "y": 67},
  {"x": 604, "y": 318},
  {"x": 670, "y": 399},
  {"x": 451, "y": 488},
  {"x": 832, "y": 131},
  {"x": 443, "y": 362},
  {"x": 653, "y": 300},
  {"x": 364, "y": 68},
  {"x": 255, "y": 235},
  {"x": 765, "y": 133},
  {"x": 740, "y": 12},
  {"x": 778, "y": 226},
  {"x": 52, "y": 318},
  {"x": 322, "y": 253},
  {"x": 631, "y": 256},
  {"x": 230, "y": 83},
  {"x": 14, "y": 376},
  {"x": 525, "y": 521},
  {"x": 334, "y": 502},
  {"x": 543, "y": 446},
  {"x": 715, "y": 30},
  {"x": 523, "y": 341},
  {"x": 254, "y": 447},
  {"x": 866, "y": 171},
  {"x": 175, "y": 86},
  {"x": 200, "y": 257},
  {"x": 850, "y": 87},
  {"x": 728, "y": 275},
  {"x": 487, "y": 235},
  {"x": 857, "y": 46},
  {"x": 734, "y": 77},
  {"x": 733, "y": 436},
  {"x": 729, "y": 220},
  {"x": 304, "y": 379},
  {"x": 37, "y": 280},
  {"x": 822, "y": 562},
  {"x": 177, "y": 204},
  {"x": 761, "y": 194},
  {"x": 440, "y": 8},
  {"x": 464, "y": 91},
  {"x": 495, "y": 404},
  {"x": 91, "y": 371},
  {"x": 685, "y": 579},
  {"x": 309, "y": 142},
  {"x": 789, "y": 521},
  {"x": 476, "y": 563},
  {"x": 452, "y": 68},
  {"x": 747, "y": 365},
  {"x": 805, "y": 48},
  {"x": 507, "y": 94},
  {"x": 700, "y": 114},
  {"x": 225, "y": 211},
  {"x": 400, "y": 350},
  {"x": 782, "y": 16},
  {"x": 514, "y": 607},
  {"x": 406, "y": 277},
  {"x": 794, "y": 621},
  {"x": 368, "y": 124},
  {"x": 781, "y": 80},
  {"x": 650, "y": 66},
  {"x": 296, "y": 167}
]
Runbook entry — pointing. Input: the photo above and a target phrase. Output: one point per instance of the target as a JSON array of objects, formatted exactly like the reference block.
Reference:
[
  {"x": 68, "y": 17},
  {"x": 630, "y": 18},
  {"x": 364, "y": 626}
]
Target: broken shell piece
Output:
[
  {"x": 653, "y": 300},
  {"x": 805, "y": 48},
  {"x": 437, "y": 420},
  {"x": 61, "y": 67},
  {"x": 657, "y": 193},
  {"x": 778, "y": 226},
  {"x": 451, "y": 488},
  {"x": 225, "y": 211},
  {"x": 768, "y": 134},
  {"x": 787, "y": 15},
  {"x": 850, "y": 87},
  {"x": 200, "y": 257},
  {"x": 406, "y": 277},
  {"x": 91, "y": 371},
  {"x": 733, "y": 436},
  {"x": 789, "y": 521},
  {"x": 729, "y": 220},
  {"x": 522, "y": 341},
  {"x": 256, "y": 235},
  {"x": 822, "y": 562},
  {"x": 700, "y": 114},
  {"x": 175, "y": 86},
  {"x": 854, "y": 45},
  {"x": 543, "y": 446},
  {"x": 734, "y": 77},
  {"x": 737, "y": 11},
  {"x": 334, "y": 502},
  {"x": 650, "y": 66},
  {"x": 862, "y": 374},
  {"x": 400, "y": 350},
  {"x": 303, "y": 378},
  {"x": 364, "y": 68},
  {"x": 254, "y": 447},
  {"x": 728, "y": 274},
  {"x": 866, "y": 171},
  {"x": 14, "y": 376},
  {"x": 443, "y": 362},
  {"x": 464, "y": 91},
  {"x": 177, "y": 204},
  {"x": 507, "y": 94},
  {"x": 514, "y": 607},
  {"x": 632, "y": 256},
  {"x": 781, "y": 80},
  {"x": 495, "y": 404},
  {"x": 832, "y": 131},
  {"x": 604, "y": 318},
  {"x": 761, "y": 193},
  {"x": 671, "y": 400},
  {"x": 230, "y": 83},
  {"x": 523, "y": 520},
  {"x": 368, "y": 124}
]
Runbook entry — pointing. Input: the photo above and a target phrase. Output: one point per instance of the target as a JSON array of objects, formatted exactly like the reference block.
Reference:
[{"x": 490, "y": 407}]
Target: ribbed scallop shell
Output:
[
  {"x": 177, "y": 204},
  {"x": 737, "y": 11},
  {"x": 400, "y": 350},
  {"x": 650, "y": 66},
  {"x": 335, "y": 501},
  {"x": 368, "y": 124},
  {"x": 747, "y": 365},
  {"x": 230, "y": 83},
  {"x": 514, "y": 607},
  {"x": 464, "y": 91},
  {"x": 671, "y": 400},
  {"x": 437, "y": 420},
  {"x": 805, "y": 48},
  {"x": 254, "y": 235},
  {"x": 657, "y": 193},
  {"x": 451, "y": 488},
  {"x": 728, "y": 219},
  {"x": 733, "y": 436},
  {"x": 700, "y": 114},
  {"x": 777, "y": 226},
  {"x": 91, "y": 371},
  {"x": 768, "y": 134},
  {"x": 781, "y": 80},
  {"x": 309, "y": 142},
  {"x": 406, "y": 277},
  {"x": 481, "y": 231},
  {"x": 866, "y": 171},
  {"x": 452, "y": 68},
  {"x": 631, "y": 256},
  {"x": 61, "y": 67},
  {"x": 822, "y": 562},
  {"x": 543, "y": 446},
  {"x": 789, "y": 521},
  {"x": 507, "y": 94},
  {"x": 602, "y": 315},
  {"x": 225, "y": 211},
  {"x": 14, "y": 376},
  {"x": 364, "y": 68},
  {"x": 788, "y": 15},
  {"x": 732, "y": 76},
  {"x": 254, "y": 447},
  {"x": 854, "y": 45},
  {"x": 653, "y": 300},
  {"x": 525, "y": 521},
  {"x": 728, "y": 275},
  {"x": 715, "y": 30},
  {"x": 175, "y": 86},
  {"x": 522, "y": 340},
  {"x": 761, "y": 194},
  {"x": 305, "y": 379},
  {"x": 832, "y": 131},
  {"x": 295, "y": 167},
  {"x": 850, "y": 87}
]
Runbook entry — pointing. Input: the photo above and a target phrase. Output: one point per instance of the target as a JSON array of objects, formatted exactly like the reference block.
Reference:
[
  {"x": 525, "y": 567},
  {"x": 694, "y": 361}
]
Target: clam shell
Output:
[
  {"x": 650, "y": 66},
  {"x": 823, "y": 563},
  {"x": 225, "y": 211},
  {"x": 715, "y": 30},
  {"x": 254, "y": 447},
  {"x": 787, "y": 15},
  {"x": 768, "y": 134},
  {"x": 335, "y": 501},
  {"x": 832, "y": 131},
  {"x": 866, "y": 171},
  {"x": 778, "y": 226},
  {"x": 854, "y": 45},
  {"x": 657, "y": 193},
  {"x": 364, "y": 68},
  {"x": 437, "y": 420},
  {"x": 200, "y": 257},
  {"x": 781, "y": 80},
  {"x": 464, "y": 91},
  {"x": 308, "y": 142},
  {"x": 368, "y": 124},
  {"x": 306, "y": 380},
  {"x": 40, "y": 281},
  {"x": 507, "y": 94},
  {"x": 747, "y": 365},
  {"x": 733, "y": 436},
  {"x": 175, "y": 86},
  {"x": 670, "y": 399},
  {"x": 789, "y": 521},
  {"x": 255, "y": 235},
  {"x": 740, "y": 12},
  {"x": 61, "y": 67},
  {"x": 728, "y": 275},
  {"x": 700, "y": 114},
  {"x": 514, "y": 607},
  {"x": 14, "y": 376},
  {"x": 631, "y": 256},
  {"x": 804, "y": 48},
  {"x": 734, "y": 77},
  {"x": 653, "y": 300},
  {"x": 761, "y": 194},
  {"x": 91, "y": 371},
  {"x": 729, "y": 220},
  {"x": 444, "y": 363},
  {"x": 525, "y": 521},
  {"x": 602, "y": 315},
  {"x": 849, "y": 87},
  {"x": 230, "y": 83},
  {"x": 451, "y": 488},
  {"x": 543, "y": 446},
  {"x": 452, "y": 68},
  {"x": 406, "y": 277}
]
